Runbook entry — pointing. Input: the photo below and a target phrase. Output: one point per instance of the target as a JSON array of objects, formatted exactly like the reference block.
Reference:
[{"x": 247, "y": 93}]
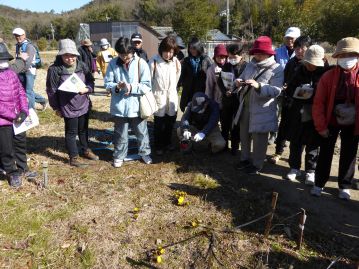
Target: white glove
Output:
[
  {"x": 187, "y": 135},
  {"x": 199, "y": 137}
]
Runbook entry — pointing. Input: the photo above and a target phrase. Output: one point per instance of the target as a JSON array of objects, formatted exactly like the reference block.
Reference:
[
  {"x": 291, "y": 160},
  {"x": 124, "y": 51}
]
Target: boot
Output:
[
  {"x": 75, "y": 161},
  {"x": 88, "y": 154}
]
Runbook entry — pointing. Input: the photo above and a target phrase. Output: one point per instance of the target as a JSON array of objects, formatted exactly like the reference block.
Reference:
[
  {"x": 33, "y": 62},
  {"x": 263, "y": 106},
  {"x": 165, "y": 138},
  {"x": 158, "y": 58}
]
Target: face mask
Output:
[
  {"x": 347, "y": 63},
  {"x": 4, "y": 64},
  {"x": 233, "y": 61},
  {"x": 105, "y": 47}
]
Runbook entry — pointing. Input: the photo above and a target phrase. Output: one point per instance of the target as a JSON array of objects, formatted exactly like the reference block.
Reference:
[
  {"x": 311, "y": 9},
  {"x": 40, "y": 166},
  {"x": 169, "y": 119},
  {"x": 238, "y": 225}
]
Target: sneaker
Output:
[
  {"x": 117, "y": 163},
  {"x": 30, "y": 174},
  {"x": 274, "y": 158},
  {"x": 252, "y": 170},
  {"x": 293, "y": 173},
  {"x": 309, "y": 179},
  {"x": 243, "y": 164},
  {"x": 316, "y": 191},
  {"x": 15, "y": 181},
  {"x": 344, "y": 194},
  {"x": 147, "y": 159},
  {"x": 88, "y": 154},
  {"x": 44, "y": 105},
  {"x": 75, "y": 161}
]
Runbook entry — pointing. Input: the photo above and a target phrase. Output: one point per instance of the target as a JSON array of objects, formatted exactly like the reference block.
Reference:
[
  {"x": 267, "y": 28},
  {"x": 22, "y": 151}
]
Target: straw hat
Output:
[{"x": 86, "y": 42}]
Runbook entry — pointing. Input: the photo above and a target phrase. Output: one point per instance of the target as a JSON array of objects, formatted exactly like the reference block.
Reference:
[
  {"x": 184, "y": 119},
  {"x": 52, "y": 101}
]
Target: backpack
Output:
[{"x": 38, "y": 63}]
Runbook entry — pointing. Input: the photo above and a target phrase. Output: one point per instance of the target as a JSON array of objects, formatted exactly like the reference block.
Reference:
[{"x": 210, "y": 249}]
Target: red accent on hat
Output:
[
  {"x": 262, "y": 45},
  {"x": 220, "y": 50}
]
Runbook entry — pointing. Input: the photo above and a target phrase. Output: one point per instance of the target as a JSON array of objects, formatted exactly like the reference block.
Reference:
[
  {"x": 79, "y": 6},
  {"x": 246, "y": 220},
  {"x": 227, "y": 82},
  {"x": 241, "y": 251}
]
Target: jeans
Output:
[
  {"x": 40, "y": 99},
  {"x": 163, "y": 127},
  {"x": 30, "y": 94},
  {"x": 73, "y": 127},
  {"x": 120, "y": 139}
]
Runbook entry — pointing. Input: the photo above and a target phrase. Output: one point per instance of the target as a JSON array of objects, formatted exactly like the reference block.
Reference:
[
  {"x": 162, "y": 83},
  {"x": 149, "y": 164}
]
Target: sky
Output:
[{"x": 45, "y": 5}]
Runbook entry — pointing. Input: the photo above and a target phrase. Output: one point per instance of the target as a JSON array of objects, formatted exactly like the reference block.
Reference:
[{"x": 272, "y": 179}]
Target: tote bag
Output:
[{"x": 148, "y": 105}]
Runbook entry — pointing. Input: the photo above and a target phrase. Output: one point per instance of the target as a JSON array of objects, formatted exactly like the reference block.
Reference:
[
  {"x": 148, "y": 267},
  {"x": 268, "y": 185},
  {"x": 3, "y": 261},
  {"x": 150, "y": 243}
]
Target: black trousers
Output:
[
  {"x": 163, "y": 127},
  {"x": 229, "y": 108},
  {"x": 348, "y": 150},
  {"x": 12, "y": 151},
  {"x": 283, "y": 129},
  {"x": 76, "y": 127}
]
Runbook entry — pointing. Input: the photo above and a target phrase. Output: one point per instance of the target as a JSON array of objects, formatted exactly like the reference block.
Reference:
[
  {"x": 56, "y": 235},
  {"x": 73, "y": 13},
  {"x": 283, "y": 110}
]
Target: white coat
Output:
[{"x": 165, "y": 76}]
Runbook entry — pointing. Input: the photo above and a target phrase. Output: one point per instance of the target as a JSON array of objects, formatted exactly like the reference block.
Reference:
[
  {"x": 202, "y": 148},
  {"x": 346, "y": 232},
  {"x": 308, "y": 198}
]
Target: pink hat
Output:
[
  {"x": 220, "y": 50},
  {"x": 262, "y": 45}
]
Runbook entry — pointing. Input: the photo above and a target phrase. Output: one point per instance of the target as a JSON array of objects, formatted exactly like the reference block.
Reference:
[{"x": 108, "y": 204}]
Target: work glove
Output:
[
  {"x": 199, "y": 137},
  {"x": 20, "y": 117},
  {"x": 187, "y": 134}
]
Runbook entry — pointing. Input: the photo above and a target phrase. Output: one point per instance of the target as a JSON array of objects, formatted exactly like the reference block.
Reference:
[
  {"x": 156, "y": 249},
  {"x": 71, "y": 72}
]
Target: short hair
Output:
[
  {"x": 167, "y": 44},
  {"x": 196, "y": 44},
  {"x": 123, "y": 46},
  {"x": 303, "y": 41},
  {"x": 235, "y": 49}
]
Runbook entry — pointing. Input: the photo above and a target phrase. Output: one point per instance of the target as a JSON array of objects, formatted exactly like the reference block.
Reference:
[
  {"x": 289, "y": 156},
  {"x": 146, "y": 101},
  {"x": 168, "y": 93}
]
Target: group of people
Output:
[{"x": 226, "y": 101}]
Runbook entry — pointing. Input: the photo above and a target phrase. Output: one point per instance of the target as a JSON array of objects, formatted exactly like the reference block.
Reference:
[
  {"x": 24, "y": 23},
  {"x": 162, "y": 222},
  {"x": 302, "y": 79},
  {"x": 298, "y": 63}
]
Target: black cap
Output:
[
  {"x": 136, "y": 37},
  {"x": 4, "y": 54}
]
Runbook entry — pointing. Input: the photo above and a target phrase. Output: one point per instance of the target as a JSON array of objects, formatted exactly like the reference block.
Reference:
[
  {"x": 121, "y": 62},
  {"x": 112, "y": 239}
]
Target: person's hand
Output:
[
  {"x": 253, "y": 83},
  {"x": 324, "y": 133},
  {"x": 24, "y": 56},
  {"x": 58, "y": 113},
  {"x": 20, "y": 117},
  {"x": 228, "y": 93},
  {"x": 127, "y": 88},
  {"x": 83, "y": 91},
  {"x": 238, "y": 82},
  {"x": 187, "y": 134},
  {"x": 199, "y": 137}
]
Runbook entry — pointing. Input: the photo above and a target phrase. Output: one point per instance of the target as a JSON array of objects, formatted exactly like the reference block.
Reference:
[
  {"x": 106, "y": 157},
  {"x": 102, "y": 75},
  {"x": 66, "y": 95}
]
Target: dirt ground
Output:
[{"x": 332, "y": 226}]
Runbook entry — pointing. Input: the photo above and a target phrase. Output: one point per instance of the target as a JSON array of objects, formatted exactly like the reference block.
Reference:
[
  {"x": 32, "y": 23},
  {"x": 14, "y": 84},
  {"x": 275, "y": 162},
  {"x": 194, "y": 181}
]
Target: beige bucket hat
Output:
[
  {"x": 314, "y": 55},
  {"x": 347, "y": 45}
]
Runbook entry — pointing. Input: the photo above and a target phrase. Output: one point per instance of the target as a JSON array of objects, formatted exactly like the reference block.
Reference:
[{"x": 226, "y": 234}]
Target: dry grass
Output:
[{"x": 86, "y": 218}]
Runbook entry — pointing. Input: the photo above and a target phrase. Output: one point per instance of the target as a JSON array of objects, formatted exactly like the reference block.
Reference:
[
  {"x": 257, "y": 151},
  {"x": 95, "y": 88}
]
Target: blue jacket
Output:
[
  {"x": 281, "y": 55},
  {"x": 122, "y": 105}
]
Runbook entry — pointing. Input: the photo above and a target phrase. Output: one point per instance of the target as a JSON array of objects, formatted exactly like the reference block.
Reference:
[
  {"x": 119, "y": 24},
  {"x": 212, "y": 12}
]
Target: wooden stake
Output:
[
  {"x": 270, "y": 217},
  {"x": 302, "y": 220}
]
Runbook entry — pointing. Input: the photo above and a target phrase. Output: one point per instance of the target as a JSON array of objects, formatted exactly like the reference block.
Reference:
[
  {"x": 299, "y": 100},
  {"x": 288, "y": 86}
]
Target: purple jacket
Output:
[
  {"x": 12, "y": 97},
  {"x": 71, "y": 105}
]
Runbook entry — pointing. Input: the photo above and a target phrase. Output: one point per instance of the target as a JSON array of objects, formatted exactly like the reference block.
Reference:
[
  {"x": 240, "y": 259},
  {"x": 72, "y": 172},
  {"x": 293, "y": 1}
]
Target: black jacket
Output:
[
  {"x": 142, "y": 54},
  {"x": 193, "y": 83},
  {"x": 86, "y": 57}
]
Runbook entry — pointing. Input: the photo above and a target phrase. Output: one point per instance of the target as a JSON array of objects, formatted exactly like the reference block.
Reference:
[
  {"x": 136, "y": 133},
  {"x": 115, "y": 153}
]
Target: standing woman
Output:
[
  {"x": 193, "y": 75},
  {"x": 336, "y": 112},
  {"x": 261, "y": 82},
  {"x": 73, "y": 107},
  {"x": 127, "y": 78},
  {"x": 165, "y": 73}
]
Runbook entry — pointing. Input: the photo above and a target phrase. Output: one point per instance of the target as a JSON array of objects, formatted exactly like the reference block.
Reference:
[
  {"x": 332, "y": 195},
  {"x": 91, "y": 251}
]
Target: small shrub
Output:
[
  {"x": 42, "y": 44},
  {"x": 53, "y": 44}
]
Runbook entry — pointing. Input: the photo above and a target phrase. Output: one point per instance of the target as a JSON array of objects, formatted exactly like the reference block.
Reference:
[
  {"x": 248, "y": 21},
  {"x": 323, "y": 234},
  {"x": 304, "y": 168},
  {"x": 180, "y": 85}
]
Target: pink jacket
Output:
[{"x": 12, "y": 97}]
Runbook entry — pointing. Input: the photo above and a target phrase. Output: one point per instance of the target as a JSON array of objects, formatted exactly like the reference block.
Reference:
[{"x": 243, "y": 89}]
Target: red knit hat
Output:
[
  {"x": 262, "y": 45},
  {"x": 220, "y": 50}
]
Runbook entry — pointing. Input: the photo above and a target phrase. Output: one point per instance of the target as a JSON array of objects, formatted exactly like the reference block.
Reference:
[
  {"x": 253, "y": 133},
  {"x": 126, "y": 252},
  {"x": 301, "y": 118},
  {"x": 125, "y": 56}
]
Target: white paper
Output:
[
  {"x": 72, "y": 84},
  {"x": 303, "y": 92},
  {"x": 31, "y": 121},
  {"x": 227, "y": 79},
  {"x": 107, "y": 57}
]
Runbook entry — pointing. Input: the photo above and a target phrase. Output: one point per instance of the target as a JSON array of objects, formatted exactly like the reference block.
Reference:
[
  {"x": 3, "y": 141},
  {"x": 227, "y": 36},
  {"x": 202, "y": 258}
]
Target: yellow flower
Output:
[
  {"x": 136, "y": 209},
  {"x": 180, "y": 200},
  {"x": 159, "y": 259}
]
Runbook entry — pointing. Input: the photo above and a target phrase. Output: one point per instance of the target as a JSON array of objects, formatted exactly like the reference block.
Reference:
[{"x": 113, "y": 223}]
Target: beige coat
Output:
[{"x": 165, "y": 76}]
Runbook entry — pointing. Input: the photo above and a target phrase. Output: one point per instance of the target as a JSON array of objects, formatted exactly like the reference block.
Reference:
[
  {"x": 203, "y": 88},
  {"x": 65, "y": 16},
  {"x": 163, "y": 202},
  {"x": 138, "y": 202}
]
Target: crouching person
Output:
[{"x": 200, "y": 122}]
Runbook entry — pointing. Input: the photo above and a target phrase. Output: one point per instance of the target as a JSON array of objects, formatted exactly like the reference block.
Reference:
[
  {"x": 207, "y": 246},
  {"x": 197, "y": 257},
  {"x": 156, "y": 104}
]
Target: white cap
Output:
[
  {"x": 293, "y": 32},
  {"x": 104, "y": 42},
  {"x": 18, "y": 31}
]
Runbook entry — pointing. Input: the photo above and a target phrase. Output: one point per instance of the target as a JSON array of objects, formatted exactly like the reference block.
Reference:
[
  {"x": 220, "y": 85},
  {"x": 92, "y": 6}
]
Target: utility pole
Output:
[
  {"x": 52, "y": 31},
  {"x": 227, "y": 17}
]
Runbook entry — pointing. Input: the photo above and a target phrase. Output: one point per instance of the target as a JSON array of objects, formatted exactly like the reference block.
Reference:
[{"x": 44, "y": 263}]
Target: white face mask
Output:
[
  {"x": 4, "y": 64},
  {"x": 233, "y": 61},
  {"x": 347, "y": 63}
]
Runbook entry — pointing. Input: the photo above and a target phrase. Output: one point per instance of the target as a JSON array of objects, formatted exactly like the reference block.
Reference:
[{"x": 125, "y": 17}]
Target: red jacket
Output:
[{"x": 324, "y": 98}]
